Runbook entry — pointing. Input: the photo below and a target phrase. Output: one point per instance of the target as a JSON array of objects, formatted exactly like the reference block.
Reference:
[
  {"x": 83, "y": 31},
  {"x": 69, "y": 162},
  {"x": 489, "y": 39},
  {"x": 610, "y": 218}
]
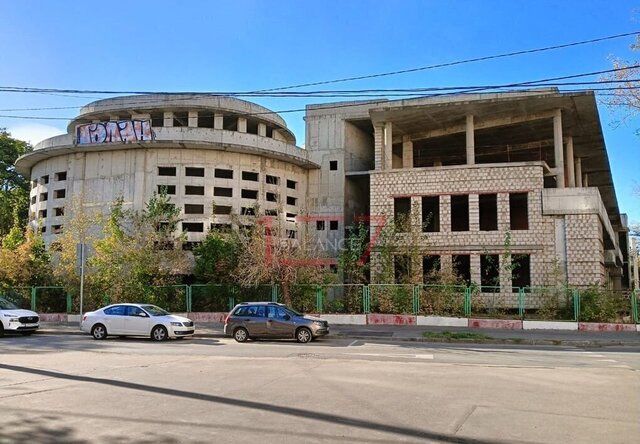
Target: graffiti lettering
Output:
[{"x": 123, "y": 131}]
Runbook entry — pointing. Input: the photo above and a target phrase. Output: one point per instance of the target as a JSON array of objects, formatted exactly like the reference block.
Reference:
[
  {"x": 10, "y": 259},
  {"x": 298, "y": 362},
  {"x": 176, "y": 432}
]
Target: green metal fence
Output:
[{"x": 532, "y": 303}]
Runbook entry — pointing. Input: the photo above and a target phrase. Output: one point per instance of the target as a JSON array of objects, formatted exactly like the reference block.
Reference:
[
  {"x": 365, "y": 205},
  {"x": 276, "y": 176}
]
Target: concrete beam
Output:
[{"x": 407, "y": 152}]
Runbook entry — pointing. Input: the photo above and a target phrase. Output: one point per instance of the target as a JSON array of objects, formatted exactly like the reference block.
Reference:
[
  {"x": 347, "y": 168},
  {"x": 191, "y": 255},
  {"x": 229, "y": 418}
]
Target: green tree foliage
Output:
[
  {"x": 25, "y": 260},
  {"x": 216, "y": 259},
  {"x": 14, "y": 189}
]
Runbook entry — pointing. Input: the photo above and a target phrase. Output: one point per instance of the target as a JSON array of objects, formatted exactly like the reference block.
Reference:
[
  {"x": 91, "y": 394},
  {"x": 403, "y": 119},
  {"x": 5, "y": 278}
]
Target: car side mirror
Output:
[{"x": 287, "y": 318}]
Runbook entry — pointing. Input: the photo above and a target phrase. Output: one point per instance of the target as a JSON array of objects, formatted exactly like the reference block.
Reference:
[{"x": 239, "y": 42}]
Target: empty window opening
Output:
[
  {"x": 402, "y": 213},
  {"x": 56, "y": 229},
  {"x": 249, "y": 194},
  {"x": 166, "y": 171},
  {"x": 291, "y": 215},
  {"x": 205, "y": 119},
  {"x": 193, "y": 209},
  {"x": 33, "y": 199},
  {"x": 181, "y": 119},
  {"x": 439, "y": 151},
  {"x": 43, "y": 229},
  {"x": 333, "y": 225},
  {"x": 163, "y": 245},
  {"x": 223, "y": 192},
  {"x": 462, "y": 267},
  {"x": 194, "y": 171},
  {"x": 44, "y": 197},
  {"x": 223, "y": 174},
  {"x": 291, "y": 234},
  {"x": 230, "y": 123},
  {"x": 190, "y": 246},
  {"x": 270, "y": 212},
  {"x": 222, "y": 209},
  {"x": 333, "y": 165},
  {"x": 248, "y": 211},
  {"x": 489, "y": 272},
  {"x": 431, "y": 214},
  {"x": 42, "y": 214},
  {"x": 166, "y": 189},
  {"x": 488, "y": 208},
  {"x": 291, "y": 184},
  {"x": 402, "y": 268},
  {"x": 521, "y": 271},
  {"x": 61, "y": 176},
  {"x": 320, "y": 225},
  {"x": 59, "y": 194},
  {"x": 460, "y": 213},
  {"x": 252, "y": 126},
  {"x": 272, "y": 180},
  {"x": 250, "y": 175},
  {"x": 291, "y": 200},
  {"x": 430, "y": 269},
  {"x": 44, "y": 180},
  {"x": 157, "y": 119},
  {"x": 193, "y": 227},
  {"x": 34, "y": 183},
  {"x": 269, "y": 131},
  {"x": 59, "y": 211},
  {"x": 220, "y": 227},
  {"x": 518, "y": 212},
  {"x": 272, "y": 197},
  {"x": 192, "y": 190}
]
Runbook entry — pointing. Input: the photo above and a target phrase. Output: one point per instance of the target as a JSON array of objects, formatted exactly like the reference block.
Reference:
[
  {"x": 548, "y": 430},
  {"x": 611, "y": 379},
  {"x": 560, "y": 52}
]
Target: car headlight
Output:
[
  {"x": 9, "y": 315},
  {"x": 177, "y": 324},
  {"x": 319, "y": 323}
]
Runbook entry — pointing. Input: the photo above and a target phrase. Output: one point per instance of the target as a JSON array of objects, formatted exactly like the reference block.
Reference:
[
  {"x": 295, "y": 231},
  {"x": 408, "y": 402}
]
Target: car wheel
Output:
[
  {"x": 241, "y": 334},
  {"x": 303, "y": 335},
  {"x": 159, "y": 333},
  {"x": 1, "y": 329},
  {"x": 99, "y": 331}
]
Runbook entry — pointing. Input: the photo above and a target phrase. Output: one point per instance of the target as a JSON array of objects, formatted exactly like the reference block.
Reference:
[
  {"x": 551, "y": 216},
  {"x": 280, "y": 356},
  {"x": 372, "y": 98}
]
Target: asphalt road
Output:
[{"x": 73, "y": 389}]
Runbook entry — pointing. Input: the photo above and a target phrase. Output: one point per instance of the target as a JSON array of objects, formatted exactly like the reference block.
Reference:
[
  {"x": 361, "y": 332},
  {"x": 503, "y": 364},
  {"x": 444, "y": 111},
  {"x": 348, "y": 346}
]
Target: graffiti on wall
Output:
[{"x": 122, "y": 131}]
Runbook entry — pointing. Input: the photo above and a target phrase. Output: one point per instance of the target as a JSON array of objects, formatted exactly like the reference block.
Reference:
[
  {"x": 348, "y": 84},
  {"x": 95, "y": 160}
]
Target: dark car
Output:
[{"x": 250, "y": 320}]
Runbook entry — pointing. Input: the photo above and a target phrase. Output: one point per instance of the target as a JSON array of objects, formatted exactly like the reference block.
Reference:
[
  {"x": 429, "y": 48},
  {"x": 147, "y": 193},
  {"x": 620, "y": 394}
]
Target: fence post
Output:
[
  {"x": 319, "y": 299},
  {"x": 521, "y": 296},
  {"x": 69, "y": 303},
  {"x": 274, "y": 293},
  {"x": 467, "y": 302},
  {"x": 576, "y": 305},
  {"x": 189, "y": 294},
  {"x": 33, "y": 298},
  {"x": 634, "y": 306},
  {"x": 232, "y": 298},
  {"x": 365, "y": 299},
  {"x": 416, "y": 299}
]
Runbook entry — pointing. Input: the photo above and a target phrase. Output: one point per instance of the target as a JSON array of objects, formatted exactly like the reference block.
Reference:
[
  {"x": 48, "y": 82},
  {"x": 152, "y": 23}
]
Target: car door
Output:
[
  {"x": 255, "y": 320},
  {"x": 137, "y": 322},
  {"x": 279, "y": 322},
  {"x": 114, "y": 319}
]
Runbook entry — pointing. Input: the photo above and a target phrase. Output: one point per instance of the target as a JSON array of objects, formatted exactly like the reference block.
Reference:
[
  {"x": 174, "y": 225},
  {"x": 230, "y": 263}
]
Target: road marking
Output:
[
  {"x": 353, "y": 343},
  {"x": 607, "y": 360},
  {"x": 395, "y": 355}
]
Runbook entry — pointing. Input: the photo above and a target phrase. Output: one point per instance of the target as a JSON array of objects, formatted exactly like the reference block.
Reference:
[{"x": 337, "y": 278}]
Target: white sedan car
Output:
[
  {"x": 13, "y": 319},
  {"x": 136, "y": 320}
]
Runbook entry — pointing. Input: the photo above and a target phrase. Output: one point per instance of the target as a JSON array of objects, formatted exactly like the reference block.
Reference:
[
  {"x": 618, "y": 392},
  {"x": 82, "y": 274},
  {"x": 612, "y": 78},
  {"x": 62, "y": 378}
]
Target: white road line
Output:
[
  {"x": 607, "y": 360},
  {"x": 353, "y": 343}
]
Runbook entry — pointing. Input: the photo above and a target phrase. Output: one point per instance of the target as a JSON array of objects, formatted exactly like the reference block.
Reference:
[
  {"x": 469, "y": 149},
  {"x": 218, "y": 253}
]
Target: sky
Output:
[{"x": 253, "y": 45}]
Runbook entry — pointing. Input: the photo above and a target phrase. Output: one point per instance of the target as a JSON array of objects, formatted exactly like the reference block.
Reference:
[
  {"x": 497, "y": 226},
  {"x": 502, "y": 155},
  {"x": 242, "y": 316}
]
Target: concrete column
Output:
[
  {"x": 585, "y": 180},
  {"x": 474, "y": 212},
  {"x": 242, "y": 125},
  {"x": 388, "y": 145},
  {"x": 193, "y": 119},
  {"x": 262, "y": 130},
  {"x": 276, "y": 135},
  {"x": 168, "y": 118},
  {"x": 218, "y": 121},
  {"x": 558, "y": 148},
  {"x": 570, "y": 164},
  {"x": 474, "y": 265},
  {"x": 407, "y": 152},
  {"x": 471, "y": 147},
  {"x": 578, "y": 172},
  {"x": 378, "y": 142}
]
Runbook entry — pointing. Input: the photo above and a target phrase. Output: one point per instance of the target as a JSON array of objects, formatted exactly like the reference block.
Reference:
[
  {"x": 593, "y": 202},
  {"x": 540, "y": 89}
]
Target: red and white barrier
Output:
[
  {"x": 601, "y": 326},
  {"x": 505, "y": 324},
  {"x": 390, "y": 319},
  {"x": 441, "y": 321},
  {"x": 549, "y": 325}
]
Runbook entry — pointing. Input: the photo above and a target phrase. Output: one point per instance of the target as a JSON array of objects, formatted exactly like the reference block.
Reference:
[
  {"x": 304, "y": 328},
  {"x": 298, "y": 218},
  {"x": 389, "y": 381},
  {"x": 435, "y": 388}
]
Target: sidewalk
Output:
[{"x": 437, "y": 334}]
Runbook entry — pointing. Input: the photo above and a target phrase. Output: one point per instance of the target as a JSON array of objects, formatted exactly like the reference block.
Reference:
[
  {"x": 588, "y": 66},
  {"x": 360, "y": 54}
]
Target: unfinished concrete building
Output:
[{"x": 512, "y": 189}]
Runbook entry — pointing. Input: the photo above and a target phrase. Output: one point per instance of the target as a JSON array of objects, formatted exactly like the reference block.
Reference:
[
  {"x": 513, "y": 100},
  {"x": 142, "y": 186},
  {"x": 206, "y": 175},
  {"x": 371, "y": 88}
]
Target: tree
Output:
[
  {"x": 216, "y": 259},
  {"x": 14, "y": 189},
  {"x": 25, "y": 260}
]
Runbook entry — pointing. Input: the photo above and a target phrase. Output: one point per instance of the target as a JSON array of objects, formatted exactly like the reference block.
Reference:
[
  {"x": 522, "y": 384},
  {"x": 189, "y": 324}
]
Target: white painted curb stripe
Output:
[
  {"x": 345, "y": 319},
  {"x": 442, "y": 321},
  {"x": 549, "y": 325}
]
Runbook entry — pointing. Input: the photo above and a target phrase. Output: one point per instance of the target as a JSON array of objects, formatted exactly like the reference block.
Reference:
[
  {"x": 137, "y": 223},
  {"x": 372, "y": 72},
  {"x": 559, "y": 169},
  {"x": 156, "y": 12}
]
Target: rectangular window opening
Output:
[
  {"x": 462, "y": 267},
  {"x": 402, "y": 268},
  {"x": 247, "y": 211},
  {"x": 220, "y": 227},
  {"x": 518, "y": 211},
  {"x": 272, "y": 197},
  {"x": 333, "y": 225},
  {"x": 193, "y": 209},
  {"x": 431, "y": 214},
  {"x": 291, "y": 200},
  {"x": 59, "y": 194},
  {"x": 520, "y": 271},
  {"x": 166, "y": 189},
  {"x": 34, "y": 199},
  {"x": 490, "y": 272},
  {"x": 223, "y": 173},
  {"x": 272, "y": 180},
  {"x": 250, "y": 175},
  {"x": 157, "y": 120},
  {"x": 402, "y": 213},
  {"x": 193, "y": 227},
  {"x": 320, "y": 225},
  {"x": 61, "y": 176},
  {"x": 249, "y": 194},
  {"x": 194, "y": 171},
  {"x": 59, "y": 211},
  {"x": 291, "y": 184},
  {"x": 460, "y": 213},
  {"x": 44, "y": 197},
  {"x": 42, "y": 214},
  {"x": 192, "y": 190},
  {"x": 56, "y": 229},
  {"x": 333, "y": 165},
  {"x": 230, "y": 123},
  {"x": 166, "y": 171},
  {"x": 205, "y": 119},
  {"x": 181, "y": 119},
  {"x": 222, "y": 192},
  {"x": 44, "y": 180},
  {"x": 190, "y": 246},
  {"x": 270, "y": 212},
  {"x": 430, "y": 269},
  {"x": 222, "y": 209},
  {"x": 488, "y": 208}
]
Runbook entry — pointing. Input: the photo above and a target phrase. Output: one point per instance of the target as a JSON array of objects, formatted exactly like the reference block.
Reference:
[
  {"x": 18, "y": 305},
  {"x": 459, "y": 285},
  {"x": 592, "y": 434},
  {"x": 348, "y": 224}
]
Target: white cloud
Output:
[{"x": 34, "y": 132}]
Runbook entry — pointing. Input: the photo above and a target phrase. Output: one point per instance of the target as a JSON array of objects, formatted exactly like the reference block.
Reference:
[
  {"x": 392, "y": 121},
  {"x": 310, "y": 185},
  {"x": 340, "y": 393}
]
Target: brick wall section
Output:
[
  {"x": 538, "y": 241},
  {"x": 585, "y": 249}
]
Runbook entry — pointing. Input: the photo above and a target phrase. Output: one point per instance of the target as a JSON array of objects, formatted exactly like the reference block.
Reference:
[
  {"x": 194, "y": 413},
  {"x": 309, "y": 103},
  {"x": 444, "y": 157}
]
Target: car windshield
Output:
[
  {"x": 7, "y": 305},
  {"x": 294, "y": 312},
  {"x": 155, "y": 311}
]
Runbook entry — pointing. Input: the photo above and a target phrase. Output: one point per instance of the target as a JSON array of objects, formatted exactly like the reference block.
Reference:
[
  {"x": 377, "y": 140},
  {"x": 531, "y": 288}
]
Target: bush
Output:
[{"x": 597, "y": 306}]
